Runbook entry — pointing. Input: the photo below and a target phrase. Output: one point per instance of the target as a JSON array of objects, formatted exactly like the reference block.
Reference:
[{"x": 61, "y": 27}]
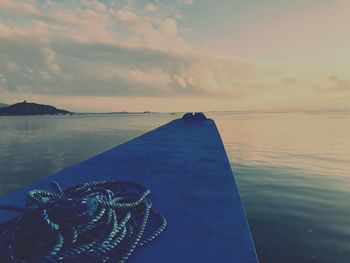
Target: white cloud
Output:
[
  {"x": 99, "y": 50},
  {"x": 128, "y": 16},
  {"x": 334, "y": 84},
  {"x": 154, "y": 77},
  {"x": 11, "y": 66},
  {"x": 180, "y": 81},
  {"x": 188, "y": 2},
  {"x": 2, "y": 79},
  {"x": 100, "y": 6},
  {"x": 150, "y": 8},
  {"x": 50, "y": 58},
  {"x": 168, "y": 27},
  {"x": 30, "y": 8}
]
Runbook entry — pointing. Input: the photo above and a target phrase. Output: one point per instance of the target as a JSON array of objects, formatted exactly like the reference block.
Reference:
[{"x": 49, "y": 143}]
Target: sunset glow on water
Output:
[{"x": 291, "y": 169}]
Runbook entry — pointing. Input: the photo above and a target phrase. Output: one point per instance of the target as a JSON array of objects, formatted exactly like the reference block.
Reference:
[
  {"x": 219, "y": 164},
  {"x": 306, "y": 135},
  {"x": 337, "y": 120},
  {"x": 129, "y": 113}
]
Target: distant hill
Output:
[
  {"x": 3, "y": 105},
  {"x": 29, "y": 108}
]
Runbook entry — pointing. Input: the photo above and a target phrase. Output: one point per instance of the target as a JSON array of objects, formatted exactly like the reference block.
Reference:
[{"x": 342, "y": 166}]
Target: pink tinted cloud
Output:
[
  {"x": 335, "y": 84},
  {"x": 188, "y": 69},
  {"x": 20, "y": 7},
  {"x": 151, "y": 8},
  {"x": 93, "y": 23}
]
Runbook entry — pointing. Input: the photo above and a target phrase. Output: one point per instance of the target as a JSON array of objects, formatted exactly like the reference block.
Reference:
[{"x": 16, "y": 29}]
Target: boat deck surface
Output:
[{"x": 185, "y": 165}]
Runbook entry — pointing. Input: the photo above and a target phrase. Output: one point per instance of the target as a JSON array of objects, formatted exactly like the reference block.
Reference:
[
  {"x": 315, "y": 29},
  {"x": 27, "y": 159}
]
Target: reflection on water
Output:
[
  {"x": 34, "y": 147},
  {"x": 317, "y": 142},
  {"x": 292, "y": 170}
]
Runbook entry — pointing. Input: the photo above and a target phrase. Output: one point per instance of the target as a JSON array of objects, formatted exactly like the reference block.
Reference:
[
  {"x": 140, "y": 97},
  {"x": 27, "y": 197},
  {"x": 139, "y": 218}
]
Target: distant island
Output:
[
  {"x": 30, "y": 108},
  {"x": 3, "y": 105}
]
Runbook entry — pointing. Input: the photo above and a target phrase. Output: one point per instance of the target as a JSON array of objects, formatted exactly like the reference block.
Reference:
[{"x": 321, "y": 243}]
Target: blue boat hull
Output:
[{"x": 185, "y": 165}]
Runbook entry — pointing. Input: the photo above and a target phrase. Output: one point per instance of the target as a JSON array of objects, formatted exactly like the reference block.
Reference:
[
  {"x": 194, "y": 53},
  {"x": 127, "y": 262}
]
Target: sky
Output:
[{"x": 176, "y": 55}]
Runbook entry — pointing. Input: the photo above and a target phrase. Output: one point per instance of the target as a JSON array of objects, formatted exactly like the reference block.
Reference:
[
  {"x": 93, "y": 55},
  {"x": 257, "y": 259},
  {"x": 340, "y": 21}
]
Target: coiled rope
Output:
[{"x": 102, "y": 222}]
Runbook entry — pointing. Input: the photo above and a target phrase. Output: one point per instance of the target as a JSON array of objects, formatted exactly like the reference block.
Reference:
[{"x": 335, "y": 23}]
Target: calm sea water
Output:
[{"x": 292, "y": 170}]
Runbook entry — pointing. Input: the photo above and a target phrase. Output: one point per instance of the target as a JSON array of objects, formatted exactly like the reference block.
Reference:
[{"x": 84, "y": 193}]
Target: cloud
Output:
[
  {"x": 98, "y": 69},
  {"x": 30, "y": 8},
  {"x": 150, "y": 8},
  {"x": 11, "y": 66},
  {"x": 129, "y": 17},
  {"x": 2, "y": 79},
  {"x": 117, "y": 27},
  {"x": 289, "y": 80},
  {"x": 96, "y": 49},
  {"x": 151, "y": 77},
  {"x": 168, "y": 27},
  {"x": 100, "y": 6},
  {"x": 335, "y": 84},
  {"x": 50, "y": 58},
  {"x": 188, "y": 2}
]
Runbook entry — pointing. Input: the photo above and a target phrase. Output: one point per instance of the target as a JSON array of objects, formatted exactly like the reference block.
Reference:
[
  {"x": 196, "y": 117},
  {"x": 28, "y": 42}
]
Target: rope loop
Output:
[{"x": 102, "y": 221}]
